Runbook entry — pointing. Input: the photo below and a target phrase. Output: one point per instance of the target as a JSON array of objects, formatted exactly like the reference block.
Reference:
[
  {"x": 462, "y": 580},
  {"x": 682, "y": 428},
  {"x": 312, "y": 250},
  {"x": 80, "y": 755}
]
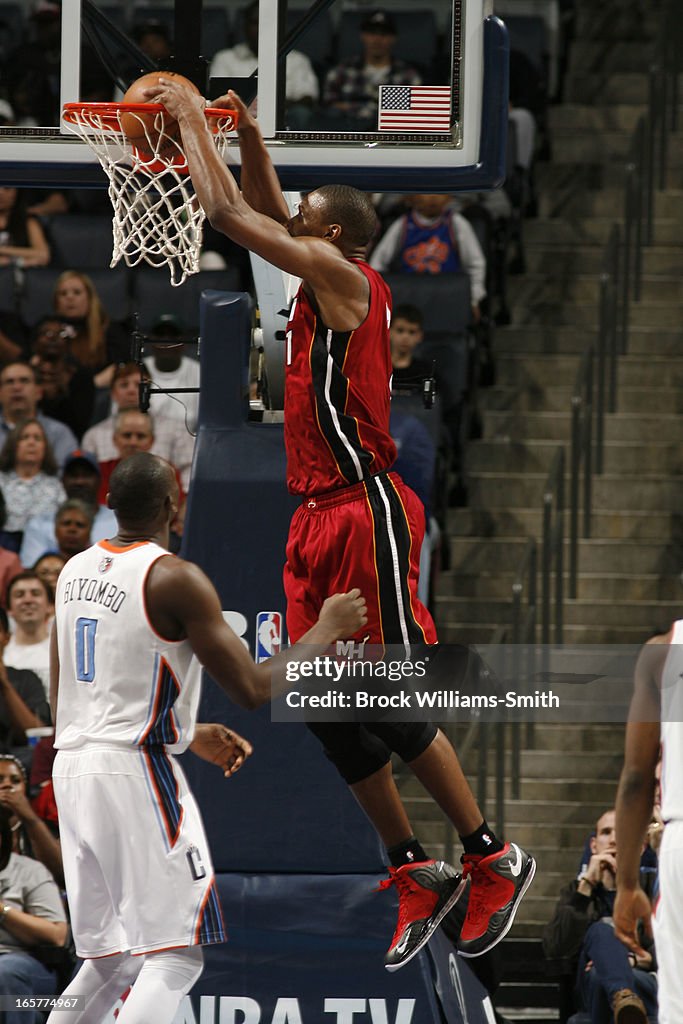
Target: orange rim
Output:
[{"x": 108, "y": 113}]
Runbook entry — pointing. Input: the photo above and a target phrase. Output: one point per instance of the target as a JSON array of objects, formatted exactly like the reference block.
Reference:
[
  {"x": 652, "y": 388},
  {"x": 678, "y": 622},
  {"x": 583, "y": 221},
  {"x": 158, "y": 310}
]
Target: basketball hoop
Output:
[{"x": 157, "y": 217}]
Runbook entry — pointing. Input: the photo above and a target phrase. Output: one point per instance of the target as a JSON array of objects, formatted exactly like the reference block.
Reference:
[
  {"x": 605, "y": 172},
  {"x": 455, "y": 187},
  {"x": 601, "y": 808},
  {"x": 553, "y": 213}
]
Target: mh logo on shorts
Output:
[{"x": 268, "y": 635}]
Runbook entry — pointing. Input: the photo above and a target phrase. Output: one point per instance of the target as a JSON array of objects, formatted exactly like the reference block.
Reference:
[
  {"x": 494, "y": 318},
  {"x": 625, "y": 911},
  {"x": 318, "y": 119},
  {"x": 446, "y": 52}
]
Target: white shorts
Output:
[
  {"x": 668, "y": 925},
  {"x": 138, "y": 872}
]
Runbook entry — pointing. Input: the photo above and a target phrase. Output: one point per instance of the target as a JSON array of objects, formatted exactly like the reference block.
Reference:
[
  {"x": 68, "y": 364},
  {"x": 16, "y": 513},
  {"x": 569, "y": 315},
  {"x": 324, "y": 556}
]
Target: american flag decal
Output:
[{"x": 416, "y": 108}]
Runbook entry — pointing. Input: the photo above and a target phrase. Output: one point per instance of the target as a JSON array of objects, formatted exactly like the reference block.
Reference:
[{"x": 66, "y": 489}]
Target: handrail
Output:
[
  {"x": 524, "y": 622},
  {"x": 581, "y": 453},
  {"x": 552, "y": 550}
]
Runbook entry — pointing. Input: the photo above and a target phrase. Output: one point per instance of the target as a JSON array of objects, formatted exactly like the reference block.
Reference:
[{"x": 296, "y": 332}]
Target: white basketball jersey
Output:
[
  {"x": 119, "y": 682},
  {"x": 672, "y": 728}
]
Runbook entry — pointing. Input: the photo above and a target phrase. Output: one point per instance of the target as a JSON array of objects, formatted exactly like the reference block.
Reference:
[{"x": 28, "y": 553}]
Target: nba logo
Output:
[{"x": 268, "y": 635}]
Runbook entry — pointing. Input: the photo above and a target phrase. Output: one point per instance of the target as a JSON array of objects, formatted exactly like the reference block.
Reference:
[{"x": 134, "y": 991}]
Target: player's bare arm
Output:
[
  {"x": 636, "y": 792},
  {"x": 183, "y": 603},
  {"x": 317, "y": 261},
  {"x": 221, "y": 746},
  {"x": 258, "y": 178}
]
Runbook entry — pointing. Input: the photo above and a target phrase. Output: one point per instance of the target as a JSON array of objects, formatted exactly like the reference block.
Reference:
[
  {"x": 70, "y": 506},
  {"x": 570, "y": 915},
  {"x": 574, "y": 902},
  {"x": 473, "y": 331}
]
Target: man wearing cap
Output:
[
  {"x": 81, "y": 479},
  {"x": 351, "y": 89},
  {"x": 172, "y": 439},
  {"x": 168, "y": 367},
  {"x": 20, "y": 394}
]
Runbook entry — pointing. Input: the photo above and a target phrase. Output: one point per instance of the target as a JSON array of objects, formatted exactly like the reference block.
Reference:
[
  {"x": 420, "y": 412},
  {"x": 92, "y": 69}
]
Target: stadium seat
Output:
[
  {"x": 154, "y": 295},
  {"x": 80, "y": 240},
  {"x": 528, "y": 35},
  {"x": 7, "y": 289},
  {"x": 113, "y": 288},
  {"x": 39, "y": 283},
  {"x": 416, "y": 40},
  {"x": 443, "y": 300}
]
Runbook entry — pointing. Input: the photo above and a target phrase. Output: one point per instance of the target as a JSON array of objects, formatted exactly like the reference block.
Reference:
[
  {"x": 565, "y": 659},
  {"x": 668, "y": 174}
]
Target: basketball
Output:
[{"x": 143, "y": 129}]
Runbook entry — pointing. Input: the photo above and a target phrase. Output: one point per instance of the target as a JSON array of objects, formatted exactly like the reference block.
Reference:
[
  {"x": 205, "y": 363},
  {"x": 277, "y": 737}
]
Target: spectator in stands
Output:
[
  {"x": 28, "y": 478},
  {"x": 20, "y": 394},
  {"x": 32, "y": 70},
  {"x": 611, "y": 984},
  {"x": 31, "y": 836},
  {"x": 30, "y": 601},
  {"x": 73, "y": 525},
  {"x": 301, "y": 83},
  {"x": 22, "y": 239},
  {"x": 154, "y": 39},
  {"x": 31, "y": 915},
  {"x": 48, "y": 567},
  {"x": 172, "y": 440},
  {"x": 68, "y": 389},
  {"x": 98, "y": 343},
  {"x": 133, "y": 432},
  {"x": 169, "y": 368},
  {"x": 10, "y": 563},
  {"x": 433, "y": 239},
  {"x": 81, "y": 479},
  {"x": 405, "y": 334},
  {"x": 351, "y": 91},
  {"x": 23, "y": 703}
]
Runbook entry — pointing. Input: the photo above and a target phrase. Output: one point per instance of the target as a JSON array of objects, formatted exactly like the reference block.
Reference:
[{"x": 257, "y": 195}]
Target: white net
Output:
[{"x": 157, "y": 217}]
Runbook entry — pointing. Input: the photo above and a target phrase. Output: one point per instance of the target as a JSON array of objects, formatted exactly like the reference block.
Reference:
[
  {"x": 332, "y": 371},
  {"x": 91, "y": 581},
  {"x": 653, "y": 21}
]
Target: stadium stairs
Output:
[{"x": 629, "y": 571}]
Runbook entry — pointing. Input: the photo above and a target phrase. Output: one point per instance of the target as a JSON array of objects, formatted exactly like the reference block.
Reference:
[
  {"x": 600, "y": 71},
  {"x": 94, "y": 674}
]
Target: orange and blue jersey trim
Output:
[
  {"x": 163, "y": 787},
  {"x": 161, "y": 725},
  {"x": 208, "y": 924}
]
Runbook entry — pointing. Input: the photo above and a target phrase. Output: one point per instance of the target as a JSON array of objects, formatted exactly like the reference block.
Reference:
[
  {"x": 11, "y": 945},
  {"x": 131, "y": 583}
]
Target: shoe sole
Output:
[
  {"x": 447, "y": 907},
  {"x": 520, "y": 895}
]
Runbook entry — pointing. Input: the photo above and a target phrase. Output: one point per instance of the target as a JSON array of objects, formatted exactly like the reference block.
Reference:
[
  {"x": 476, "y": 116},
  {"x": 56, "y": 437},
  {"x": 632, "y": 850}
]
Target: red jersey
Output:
[{"x": 337, "y": 395}]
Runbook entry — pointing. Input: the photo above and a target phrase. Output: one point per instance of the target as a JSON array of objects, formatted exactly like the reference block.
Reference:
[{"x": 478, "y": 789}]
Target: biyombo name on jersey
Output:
[{"x": 102, "y": 592}]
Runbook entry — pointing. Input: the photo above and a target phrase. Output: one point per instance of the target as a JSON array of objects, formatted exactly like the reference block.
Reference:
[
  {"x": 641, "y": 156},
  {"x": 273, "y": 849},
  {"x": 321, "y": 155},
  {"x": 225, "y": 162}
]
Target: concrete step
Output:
[
  {"x": 592, "y": 230},
  {"x": 533, "y": 396},
  {"x": 651, "y": 588},
  {"x": 583, "y": 86},
  {"x": 643, "y": 614},
  {"x": 667, "y": 316},
  {"x": 615, "y": 491},
  {"x": 545, "y": 370},
  {"x": 483, "y": 633},
  {"x": 504, "y": 554},
  {"x": 530, "y": 456},
  {"x": 533, "y": 339},
  {"x": 581, "y": 117},
  {"x": 606, "y": 202},
  {"x": 609, "y": 56},
  {"x": 619, "y": 524},
  {"x": 585, "y": 287},
  {"x": 619, "y": 426}
]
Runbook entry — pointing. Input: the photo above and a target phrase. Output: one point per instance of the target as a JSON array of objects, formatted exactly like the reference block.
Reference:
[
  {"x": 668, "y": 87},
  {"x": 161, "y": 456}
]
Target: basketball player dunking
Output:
[
  {"x": 358, "y": 524},
  {"x": 124, "y": 687}
]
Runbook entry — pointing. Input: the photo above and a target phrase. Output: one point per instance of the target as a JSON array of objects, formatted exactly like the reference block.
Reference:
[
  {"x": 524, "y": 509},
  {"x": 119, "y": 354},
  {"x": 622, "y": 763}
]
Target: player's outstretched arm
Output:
[
  {"x": 182, "y": 602},
  {"x": 219, "y": 745},
  {"x": 313, "y": 259},
  {"x": 258, "y": 178},
  {"x": 635, "y": 796}
]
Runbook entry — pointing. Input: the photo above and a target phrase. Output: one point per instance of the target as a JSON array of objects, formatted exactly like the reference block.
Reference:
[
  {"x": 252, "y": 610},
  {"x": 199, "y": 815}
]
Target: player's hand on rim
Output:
[{"x": 175, "y": 97}]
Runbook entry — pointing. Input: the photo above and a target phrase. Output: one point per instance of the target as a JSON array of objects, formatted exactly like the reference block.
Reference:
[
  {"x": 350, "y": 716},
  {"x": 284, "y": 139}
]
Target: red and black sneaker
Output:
[
  {"x": 498, "y": 883},
  {"x": 426, "y": 892}
]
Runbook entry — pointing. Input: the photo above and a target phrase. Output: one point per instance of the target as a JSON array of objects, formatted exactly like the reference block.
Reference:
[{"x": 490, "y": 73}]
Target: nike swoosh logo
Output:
[
  {"x": 401, "y": 946},
  {"x": 516, "y": 865}
]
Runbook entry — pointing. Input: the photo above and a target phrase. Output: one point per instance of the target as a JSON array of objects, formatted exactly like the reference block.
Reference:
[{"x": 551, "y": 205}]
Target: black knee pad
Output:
[{"x": 353, "y": 749}]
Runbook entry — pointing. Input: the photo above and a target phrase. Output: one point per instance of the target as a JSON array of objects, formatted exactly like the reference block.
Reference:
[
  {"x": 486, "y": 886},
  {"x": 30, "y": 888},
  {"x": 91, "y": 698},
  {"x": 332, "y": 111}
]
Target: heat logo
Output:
[{"x": 268, "y": 635}]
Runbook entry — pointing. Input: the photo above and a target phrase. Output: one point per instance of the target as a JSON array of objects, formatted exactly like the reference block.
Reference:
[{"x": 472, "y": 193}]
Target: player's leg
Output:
[
  {"x": 99, "y": 983},
  {"x": 163, "y": 980}
]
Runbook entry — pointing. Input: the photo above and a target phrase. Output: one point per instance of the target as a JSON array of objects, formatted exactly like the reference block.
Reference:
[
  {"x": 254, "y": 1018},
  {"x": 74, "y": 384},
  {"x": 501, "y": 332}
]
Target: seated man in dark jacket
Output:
[{"x": 610, "y": 984}]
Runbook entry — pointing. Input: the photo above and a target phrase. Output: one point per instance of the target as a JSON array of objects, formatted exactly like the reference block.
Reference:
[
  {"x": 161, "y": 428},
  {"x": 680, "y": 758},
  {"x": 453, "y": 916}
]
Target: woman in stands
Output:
[
  {"x": 28, "y": 478},
  {"x": 22, "y": 239},
  {"x": 98, "y": 343}
]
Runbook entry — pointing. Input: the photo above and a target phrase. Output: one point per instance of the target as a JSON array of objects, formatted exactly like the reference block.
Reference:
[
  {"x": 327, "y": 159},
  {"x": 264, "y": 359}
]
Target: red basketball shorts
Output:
[{"x": 368, "y": 536}]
